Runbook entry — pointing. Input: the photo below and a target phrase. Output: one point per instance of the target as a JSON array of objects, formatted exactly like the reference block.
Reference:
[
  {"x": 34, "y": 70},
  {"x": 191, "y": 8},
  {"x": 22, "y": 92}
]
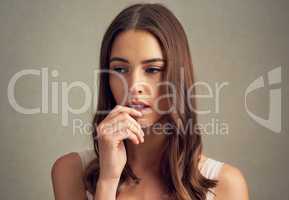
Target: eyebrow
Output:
[{"x": 143, "y": 62}]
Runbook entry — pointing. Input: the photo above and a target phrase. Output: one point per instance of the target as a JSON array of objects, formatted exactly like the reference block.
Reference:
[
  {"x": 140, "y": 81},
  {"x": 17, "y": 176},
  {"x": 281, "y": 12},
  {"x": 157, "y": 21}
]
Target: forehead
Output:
[{"x": 136, "y": 45}]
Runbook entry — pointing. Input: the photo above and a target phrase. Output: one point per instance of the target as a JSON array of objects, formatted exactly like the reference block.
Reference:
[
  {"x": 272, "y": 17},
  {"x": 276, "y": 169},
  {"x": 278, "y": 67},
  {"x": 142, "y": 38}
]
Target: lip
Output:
[
  {"x": 145, "y": 110},
  {"x": 138, "y": 102}
]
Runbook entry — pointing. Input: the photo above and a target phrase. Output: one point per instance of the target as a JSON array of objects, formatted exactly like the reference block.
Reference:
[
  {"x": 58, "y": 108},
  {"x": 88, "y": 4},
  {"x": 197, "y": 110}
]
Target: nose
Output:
[
  {"x": 136, "y": 83},
  {"x": 135, "y": 91}
]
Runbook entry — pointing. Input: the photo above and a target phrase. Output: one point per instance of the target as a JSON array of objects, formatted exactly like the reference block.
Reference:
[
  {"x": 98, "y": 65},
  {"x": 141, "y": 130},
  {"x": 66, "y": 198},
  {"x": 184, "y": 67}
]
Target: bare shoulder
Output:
[
  {"x": 66, "y": 176},
  {"x": 232, "y": 184}
]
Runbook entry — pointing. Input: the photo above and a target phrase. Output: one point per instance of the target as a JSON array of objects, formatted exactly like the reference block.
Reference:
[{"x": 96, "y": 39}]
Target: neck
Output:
[{"x": 144, "y": 158}]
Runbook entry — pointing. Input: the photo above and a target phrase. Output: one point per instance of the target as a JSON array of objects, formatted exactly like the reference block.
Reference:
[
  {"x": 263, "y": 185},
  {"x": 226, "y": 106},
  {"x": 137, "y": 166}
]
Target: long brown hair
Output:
[{"x": 181, "y": 155}]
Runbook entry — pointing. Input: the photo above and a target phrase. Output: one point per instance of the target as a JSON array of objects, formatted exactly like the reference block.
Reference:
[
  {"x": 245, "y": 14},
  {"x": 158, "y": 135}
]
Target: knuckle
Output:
[
  {"x": 122, "y": 114},
  {"x": 127, "y": 131},
  {"x": 126, "y": 115},
  {"x": 138, "y": 125},
  {"x": 129, "y": 124},
  {"x": 118, "y": 107}
]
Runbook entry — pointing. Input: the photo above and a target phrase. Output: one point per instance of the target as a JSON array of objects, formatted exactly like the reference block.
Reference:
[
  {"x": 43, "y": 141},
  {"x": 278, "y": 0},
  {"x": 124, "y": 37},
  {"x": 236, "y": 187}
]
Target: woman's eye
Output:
[
  {"x": 153, "y": 69},
  {"x": 150, "y": 70},
  {"x": 120, "y": 69}
]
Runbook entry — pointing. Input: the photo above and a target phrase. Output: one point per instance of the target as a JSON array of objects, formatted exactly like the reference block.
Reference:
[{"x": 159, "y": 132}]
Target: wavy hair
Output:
[{"x": 182, "y": 152}]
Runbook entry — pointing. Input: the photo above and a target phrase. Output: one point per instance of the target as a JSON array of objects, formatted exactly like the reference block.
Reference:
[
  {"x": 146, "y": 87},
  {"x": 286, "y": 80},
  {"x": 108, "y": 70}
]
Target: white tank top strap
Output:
[
  {"x": 211, "y": 169},
  {"x": 86, "y": 156}
]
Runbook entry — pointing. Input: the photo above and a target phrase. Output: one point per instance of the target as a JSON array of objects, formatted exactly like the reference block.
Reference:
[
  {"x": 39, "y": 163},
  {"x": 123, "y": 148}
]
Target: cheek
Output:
[
  {"x": 117, "y": 89},
  {"x": 161, "y": 99},
  {"x": 156, "y": 96}
]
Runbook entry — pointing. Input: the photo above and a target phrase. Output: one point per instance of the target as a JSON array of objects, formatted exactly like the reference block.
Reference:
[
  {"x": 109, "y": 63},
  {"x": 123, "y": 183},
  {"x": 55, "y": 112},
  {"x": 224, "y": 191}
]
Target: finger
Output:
[
  {"x": 126, "y": 120},
  {"x": 136, "y": 126},
  {"x": 122, "y": 119},
  {"x": 117, "y": 110},
  {"x": 126, "y": 109},
  {"x": 126, "y": 134},
  {"x": 120, "y": 123},
  {"x": 127, "y": 124}
]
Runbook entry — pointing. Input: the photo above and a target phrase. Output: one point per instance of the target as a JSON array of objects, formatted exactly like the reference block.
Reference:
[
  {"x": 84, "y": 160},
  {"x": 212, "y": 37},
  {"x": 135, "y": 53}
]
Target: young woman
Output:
[{"x": 145, "y": 81}]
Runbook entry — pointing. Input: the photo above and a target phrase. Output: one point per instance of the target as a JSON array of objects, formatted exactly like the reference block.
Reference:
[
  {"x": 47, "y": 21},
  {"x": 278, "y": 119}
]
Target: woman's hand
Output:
[{"x": 117, "y": 126}]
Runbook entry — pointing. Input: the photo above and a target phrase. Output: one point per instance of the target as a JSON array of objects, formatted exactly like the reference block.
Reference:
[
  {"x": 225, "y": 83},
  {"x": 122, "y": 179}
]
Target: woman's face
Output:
[{"x": 137, "y": 59}]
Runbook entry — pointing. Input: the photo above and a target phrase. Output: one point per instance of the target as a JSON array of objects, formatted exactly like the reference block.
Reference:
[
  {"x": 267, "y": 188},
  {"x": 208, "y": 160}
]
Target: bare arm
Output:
[
  {"x": 67, "y": 171},
  {"x": 66, "y": 175},
  {"x": 106, "y": 189},
  {"x": 232, "y": 184},
  {"x": 66, "y": 178}
]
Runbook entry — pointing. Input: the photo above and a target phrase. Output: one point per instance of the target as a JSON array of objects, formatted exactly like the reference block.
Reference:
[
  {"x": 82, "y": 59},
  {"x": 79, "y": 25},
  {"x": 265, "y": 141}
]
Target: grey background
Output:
[{"x": 231, "y": 41}]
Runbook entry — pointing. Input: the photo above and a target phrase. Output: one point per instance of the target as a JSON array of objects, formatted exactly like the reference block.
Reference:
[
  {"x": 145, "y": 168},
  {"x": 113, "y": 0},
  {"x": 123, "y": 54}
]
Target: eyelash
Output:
[{"x": 155, "y": 69}]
